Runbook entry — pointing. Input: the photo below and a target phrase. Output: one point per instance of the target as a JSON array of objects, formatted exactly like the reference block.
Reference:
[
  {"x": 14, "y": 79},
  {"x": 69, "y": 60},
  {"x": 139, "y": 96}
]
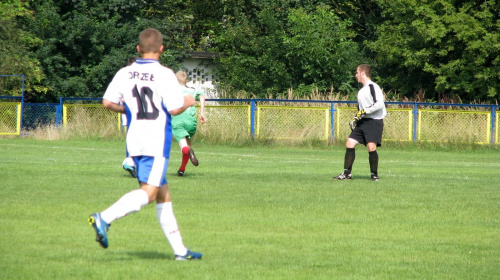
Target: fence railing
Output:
[{"x": 281, "y": 119}]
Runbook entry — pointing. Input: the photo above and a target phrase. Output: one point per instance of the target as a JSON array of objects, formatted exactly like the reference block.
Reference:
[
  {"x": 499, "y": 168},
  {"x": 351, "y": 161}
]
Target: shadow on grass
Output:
[{"x": 150, "y": 255}]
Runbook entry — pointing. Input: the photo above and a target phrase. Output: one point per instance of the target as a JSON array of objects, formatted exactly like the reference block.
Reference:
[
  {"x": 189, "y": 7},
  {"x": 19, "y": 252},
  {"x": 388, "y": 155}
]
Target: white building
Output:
[{"x": 201, "y": 72}]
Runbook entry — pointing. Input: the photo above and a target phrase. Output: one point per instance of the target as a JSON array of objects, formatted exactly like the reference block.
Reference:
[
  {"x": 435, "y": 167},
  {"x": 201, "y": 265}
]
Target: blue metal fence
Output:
[
  {"x": 35, "y": 114},
  {"x": 415, "y": 105}
]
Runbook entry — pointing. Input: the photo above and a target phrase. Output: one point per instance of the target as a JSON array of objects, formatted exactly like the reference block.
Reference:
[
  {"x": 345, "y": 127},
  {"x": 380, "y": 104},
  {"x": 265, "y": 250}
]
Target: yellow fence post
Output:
[{"x": 10, "y": 118}]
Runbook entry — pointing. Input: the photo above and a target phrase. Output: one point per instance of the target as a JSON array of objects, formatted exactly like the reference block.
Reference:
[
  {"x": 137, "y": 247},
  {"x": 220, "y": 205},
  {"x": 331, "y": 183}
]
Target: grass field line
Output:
[
  {"x": 53, "y": 147},
  {"x": 259, "y": 154},
  {"x": 333, "y": 159},
  {"x": 415, "y": 176},
  {"x": 50, "y": 160},
  {"x": 227, "y": 154},
  {"x": 440, "y": 163},
  {"x": 106, "y": 148}
]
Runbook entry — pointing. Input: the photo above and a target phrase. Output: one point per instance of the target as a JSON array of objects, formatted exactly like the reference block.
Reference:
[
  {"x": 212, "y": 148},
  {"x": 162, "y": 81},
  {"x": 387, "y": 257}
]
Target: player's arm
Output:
[
  {"x": 375, "y": 107},
  {"x": 113, "y": 106},
  {"x": 378, "y": 99},
  {"x": 189, "y": 101},
  {"x": 202, "y": 109}
]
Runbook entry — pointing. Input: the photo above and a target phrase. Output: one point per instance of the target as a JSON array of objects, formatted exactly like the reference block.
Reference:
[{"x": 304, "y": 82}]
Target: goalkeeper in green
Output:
[
  {"x": 184, "y": 125},
  {"x": 367, "y": 125}
]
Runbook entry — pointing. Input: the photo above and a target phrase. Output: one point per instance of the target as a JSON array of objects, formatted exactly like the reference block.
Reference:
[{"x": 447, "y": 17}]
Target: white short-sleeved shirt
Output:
[
  {"x": 149, "y": 90},
  {"x": 374, "y": 107}
]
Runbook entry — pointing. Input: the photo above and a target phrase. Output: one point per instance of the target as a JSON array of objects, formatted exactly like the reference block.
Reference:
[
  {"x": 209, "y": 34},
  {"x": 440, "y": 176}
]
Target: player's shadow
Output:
[
  {"x": 192, "y": 174},
  {"x": 150, "y": 255}
]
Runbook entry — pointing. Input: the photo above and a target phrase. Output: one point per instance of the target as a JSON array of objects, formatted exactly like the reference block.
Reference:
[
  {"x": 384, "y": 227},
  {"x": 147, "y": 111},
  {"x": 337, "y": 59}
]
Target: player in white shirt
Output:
[
  {"x": 150, "y": 96},
  {"x": 368, "y": 124}
]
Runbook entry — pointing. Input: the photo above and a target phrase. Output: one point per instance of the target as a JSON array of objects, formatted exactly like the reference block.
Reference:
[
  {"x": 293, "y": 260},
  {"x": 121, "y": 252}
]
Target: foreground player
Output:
[
  {"x": 151, "y": 94},
  {"x": 184, "y": 125},
  {"x": 368, "y": 124}
]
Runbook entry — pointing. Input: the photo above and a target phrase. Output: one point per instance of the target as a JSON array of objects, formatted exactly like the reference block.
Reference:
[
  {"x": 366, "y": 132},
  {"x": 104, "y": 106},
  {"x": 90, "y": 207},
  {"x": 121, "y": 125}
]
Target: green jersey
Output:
[
  {"x": 196, "y": 94},
  {"x": 184, "y": 125}
]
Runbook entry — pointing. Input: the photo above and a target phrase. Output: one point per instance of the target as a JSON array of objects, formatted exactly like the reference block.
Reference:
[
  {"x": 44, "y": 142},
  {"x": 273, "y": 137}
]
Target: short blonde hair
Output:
[
  {"x": 181, "y": 77},
  {"x": 150, "y": 41}
]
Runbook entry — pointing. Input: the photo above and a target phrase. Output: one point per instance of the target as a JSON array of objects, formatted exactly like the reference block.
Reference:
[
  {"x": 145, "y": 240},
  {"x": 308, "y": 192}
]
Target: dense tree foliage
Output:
[
  {"x": 277, "y": 46},
  {"x": 444, "y": 47},
  {"x": 439, "y": 47},
  {"x": 85, "y": 42},
  {"x": 15, "y": 58}
]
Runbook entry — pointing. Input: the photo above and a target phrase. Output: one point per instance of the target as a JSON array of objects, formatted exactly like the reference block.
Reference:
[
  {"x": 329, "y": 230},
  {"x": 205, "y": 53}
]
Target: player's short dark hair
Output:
[
  {"x": 150, "y": 40},
  {"x": 365, "y": 68}
]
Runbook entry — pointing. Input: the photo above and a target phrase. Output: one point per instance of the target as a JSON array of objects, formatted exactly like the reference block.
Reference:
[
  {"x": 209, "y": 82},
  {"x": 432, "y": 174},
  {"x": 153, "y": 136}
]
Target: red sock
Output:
[{"x": 185, "y": 158}]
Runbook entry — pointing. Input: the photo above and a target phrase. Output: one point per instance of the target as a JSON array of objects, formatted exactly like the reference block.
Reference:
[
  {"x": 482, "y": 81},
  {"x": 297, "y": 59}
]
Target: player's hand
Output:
[
  {"x": 202, "y": 118},
  {"x": 359, "y": 114},
  {"x": 353, "y": 123},
  {"x": 357, "y": 117}
]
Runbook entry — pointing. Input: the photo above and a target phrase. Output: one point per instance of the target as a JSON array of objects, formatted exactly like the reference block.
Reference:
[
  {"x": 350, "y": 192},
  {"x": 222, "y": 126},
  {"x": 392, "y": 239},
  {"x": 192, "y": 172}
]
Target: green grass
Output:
[{"x": 255, "y": 213}]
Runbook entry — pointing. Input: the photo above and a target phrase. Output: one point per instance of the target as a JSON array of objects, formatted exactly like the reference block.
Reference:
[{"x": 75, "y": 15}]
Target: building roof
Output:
[{"x": 203, "y": 55}]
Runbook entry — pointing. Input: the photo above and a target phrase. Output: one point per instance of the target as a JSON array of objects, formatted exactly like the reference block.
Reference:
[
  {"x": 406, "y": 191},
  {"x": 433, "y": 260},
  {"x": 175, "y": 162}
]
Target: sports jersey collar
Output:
[
  {"x": 145, "y": 61},
  {"x": 367, "y": 83}
]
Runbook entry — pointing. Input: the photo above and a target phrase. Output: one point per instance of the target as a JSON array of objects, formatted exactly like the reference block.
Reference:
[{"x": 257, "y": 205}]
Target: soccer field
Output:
[{"x": 254, "y": 213}]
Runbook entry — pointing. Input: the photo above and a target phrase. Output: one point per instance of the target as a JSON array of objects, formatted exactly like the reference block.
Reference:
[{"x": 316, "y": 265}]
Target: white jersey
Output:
[
  {"x": 371, "y": 99},
  {"x": 149, "y": 91}
]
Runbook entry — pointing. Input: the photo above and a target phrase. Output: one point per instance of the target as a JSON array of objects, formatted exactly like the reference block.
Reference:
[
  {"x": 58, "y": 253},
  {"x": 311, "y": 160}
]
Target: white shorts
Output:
[{"x": 151, "y": 170}]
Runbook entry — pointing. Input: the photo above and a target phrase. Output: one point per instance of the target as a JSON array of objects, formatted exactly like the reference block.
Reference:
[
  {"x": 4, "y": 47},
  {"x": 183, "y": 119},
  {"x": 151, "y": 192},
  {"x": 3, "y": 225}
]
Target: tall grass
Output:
[
  {"x": 83, "y": 123},
  {"x": 283, "y": 126},
  {"x": 73, "y": 131}
]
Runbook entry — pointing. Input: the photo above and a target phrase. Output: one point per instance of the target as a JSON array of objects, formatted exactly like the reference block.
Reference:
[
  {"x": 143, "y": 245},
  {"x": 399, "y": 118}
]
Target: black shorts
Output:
[{"x": 368, "y": 130}]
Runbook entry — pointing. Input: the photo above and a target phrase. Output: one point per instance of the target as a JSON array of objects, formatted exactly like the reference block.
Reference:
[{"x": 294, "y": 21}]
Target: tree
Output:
[
  {"x": 14, "y": 55},
  {"x": 272, "y": 46},
  {"x": 320, "y": 49},
  {"x": 443, "y": 47},
  {"x": 84, "y": 42}
]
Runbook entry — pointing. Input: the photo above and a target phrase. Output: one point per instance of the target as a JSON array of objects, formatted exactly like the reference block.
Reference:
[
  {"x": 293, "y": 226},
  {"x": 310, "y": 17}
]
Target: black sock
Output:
[
  {"x": 373, "y": 159},
  {"x": 350, "y": 155}
]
